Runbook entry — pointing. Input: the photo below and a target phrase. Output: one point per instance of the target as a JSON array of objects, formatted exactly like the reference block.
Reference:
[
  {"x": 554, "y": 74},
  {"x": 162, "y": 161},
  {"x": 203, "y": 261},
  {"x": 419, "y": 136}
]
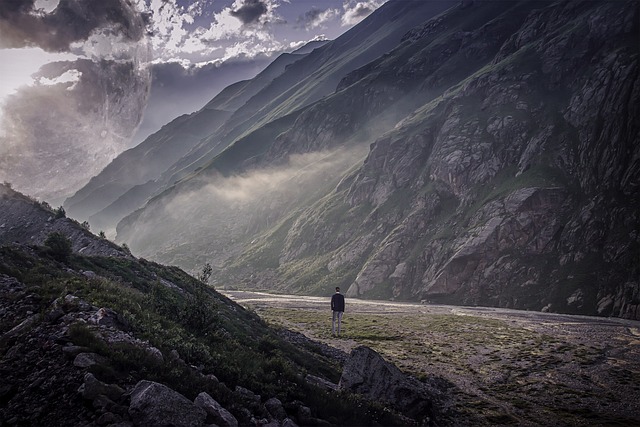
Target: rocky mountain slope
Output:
[
  {"x": 108, "y": 339},
  {"x": 272, "y": 98},
  {"x": 488, "y": 157}
]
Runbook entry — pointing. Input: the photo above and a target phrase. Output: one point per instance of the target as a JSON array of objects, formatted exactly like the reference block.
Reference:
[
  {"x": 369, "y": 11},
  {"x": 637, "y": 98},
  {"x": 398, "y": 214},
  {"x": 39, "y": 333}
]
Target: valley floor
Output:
[{"x": 509, "y": 367}]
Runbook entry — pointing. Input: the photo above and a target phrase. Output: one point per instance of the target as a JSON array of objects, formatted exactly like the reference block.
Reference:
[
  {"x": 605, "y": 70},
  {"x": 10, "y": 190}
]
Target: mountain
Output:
[
  {"x": 176, "y": 90},
  {"x": 98, "y": 337},
  {"x": 487, "y": 156},
  {"x": 126, "y": 183},
  {"x": 306, "y": 77}
]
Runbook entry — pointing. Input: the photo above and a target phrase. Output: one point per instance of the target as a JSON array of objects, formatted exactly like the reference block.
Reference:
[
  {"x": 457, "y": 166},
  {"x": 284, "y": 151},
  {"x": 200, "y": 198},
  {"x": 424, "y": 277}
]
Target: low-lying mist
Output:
[{"x": 215, "y": 217}]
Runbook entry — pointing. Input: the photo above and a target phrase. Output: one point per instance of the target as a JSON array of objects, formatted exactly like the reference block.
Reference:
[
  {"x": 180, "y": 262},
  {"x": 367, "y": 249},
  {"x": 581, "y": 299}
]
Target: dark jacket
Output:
[{"x": 337, "y": 302}]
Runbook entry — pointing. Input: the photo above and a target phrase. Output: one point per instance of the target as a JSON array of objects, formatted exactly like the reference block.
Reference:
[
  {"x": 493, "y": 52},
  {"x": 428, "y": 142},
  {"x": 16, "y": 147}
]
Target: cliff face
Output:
[{"x": 503, "y": 169}]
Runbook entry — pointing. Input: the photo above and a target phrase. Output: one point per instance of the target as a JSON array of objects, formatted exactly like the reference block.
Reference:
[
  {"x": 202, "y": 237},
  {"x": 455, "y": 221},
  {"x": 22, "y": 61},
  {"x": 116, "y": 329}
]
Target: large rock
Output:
[
  {"x": 215, "y": 412},
  {"x": 368, "y": 374},
  {"x": 154, "y": 404}
]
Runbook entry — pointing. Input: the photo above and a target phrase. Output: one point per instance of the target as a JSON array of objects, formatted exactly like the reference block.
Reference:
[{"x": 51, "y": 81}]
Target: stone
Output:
[
  {"x": 215, "y": 412},
  {"x": 85, "y": 360},
  {"x": 288, "y": 422},
  {"x": 321, "y": 382},
  {"x": 109, "y": 318},
  {"x": 154, "y": 404},
  {"x": 108, "y": 418},
  {"x": 92, "y": 388},
  {"x": 247, "y": 395},
  {"x": 275, "y": 408},
  {"x": 368, "y": 374}
]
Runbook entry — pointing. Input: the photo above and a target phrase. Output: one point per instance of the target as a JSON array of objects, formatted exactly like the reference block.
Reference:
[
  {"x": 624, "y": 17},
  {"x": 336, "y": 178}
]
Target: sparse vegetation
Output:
[
  {"x": 173, "y": 311},
  {"x": 205, "y": 274}
]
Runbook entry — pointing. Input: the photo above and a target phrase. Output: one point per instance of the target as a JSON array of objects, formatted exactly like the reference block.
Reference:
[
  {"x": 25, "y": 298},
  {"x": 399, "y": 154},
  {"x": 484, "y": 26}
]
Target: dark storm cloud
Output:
[
  {"x": 250, "y": 11},
  {"x": 72, "y": 21}
]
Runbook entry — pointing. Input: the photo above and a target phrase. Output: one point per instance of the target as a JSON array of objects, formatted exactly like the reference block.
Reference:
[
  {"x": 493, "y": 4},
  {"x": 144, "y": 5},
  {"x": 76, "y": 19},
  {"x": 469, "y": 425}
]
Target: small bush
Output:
[
  {"x": 59, "y": 245},
  {"x": 60, "y": 213}
]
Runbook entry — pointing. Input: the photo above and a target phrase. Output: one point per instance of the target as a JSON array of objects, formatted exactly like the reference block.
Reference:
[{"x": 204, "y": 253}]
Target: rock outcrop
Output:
[
  {"x": 368, "y": 374},
  {"x": 158, "y": 405}
]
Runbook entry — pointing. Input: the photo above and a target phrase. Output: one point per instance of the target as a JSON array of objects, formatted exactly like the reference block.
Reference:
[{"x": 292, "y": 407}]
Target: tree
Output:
[
  {"x": 205, "y": 274},
  {"x": 59, "y": 245},
  {"x": 86, "y": 225},
  {"x": 102, "y": 235}
]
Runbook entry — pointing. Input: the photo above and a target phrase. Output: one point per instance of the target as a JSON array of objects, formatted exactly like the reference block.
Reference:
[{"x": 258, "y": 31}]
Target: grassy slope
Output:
[{"x": 204, "y": 327}]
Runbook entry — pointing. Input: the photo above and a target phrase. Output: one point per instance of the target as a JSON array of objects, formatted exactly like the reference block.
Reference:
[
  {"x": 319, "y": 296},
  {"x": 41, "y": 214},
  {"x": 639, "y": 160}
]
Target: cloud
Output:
[
  {"x": 250, "y": 11},
  {"x": 356, "y": 11},
  {"x": 69, "y": 124},
  {"x": 70, "y": 119},
  {"x": 213, "y": 213},
  {"x": 26, "y": 23},
  {"x": 315, "y": 18}
]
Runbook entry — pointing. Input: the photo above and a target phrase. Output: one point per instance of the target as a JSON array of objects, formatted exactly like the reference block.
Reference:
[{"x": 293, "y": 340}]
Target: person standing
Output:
[{"x": 337, "y": 306}]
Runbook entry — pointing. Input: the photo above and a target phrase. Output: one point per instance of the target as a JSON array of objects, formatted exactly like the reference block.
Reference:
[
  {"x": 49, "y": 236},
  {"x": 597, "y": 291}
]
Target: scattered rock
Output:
[{"x": 275, "y": 408}]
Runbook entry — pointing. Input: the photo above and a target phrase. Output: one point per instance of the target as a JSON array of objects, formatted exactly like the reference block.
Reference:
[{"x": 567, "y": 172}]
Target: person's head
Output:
[{"x": 337, "y": 289}]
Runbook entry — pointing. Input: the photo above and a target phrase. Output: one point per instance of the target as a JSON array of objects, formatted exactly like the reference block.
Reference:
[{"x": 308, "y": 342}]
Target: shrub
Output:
[
  {"x": 59, "y": 245},
  {"x": 205, "y": 274},
  {"x": 60, "y": 213}
]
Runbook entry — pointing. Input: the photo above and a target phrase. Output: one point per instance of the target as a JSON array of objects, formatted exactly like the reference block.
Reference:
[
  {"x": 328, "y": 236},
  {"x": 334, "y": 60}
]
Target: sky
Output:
[
  {"x": 75, "y": 74},
  {"x": 190, "y": 32}
]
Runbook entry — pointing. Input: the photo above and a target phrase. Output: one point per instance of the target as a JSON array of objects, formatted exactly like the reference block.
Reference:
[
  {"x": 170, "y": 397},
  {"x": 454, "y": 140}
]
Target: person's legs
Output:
[
  {"x": 333, "y": 323},
  {"x": 340, "y": 313}
]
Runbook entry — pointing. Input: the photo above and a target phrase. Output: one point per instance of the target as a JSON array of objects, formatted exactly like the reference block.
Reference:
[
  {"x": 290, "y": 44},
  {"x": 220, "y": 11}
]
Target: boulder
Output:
[
  {"x": 215, "y": 412},
  {"x": 154, "y": 404},
  {"x": 84, "y": 360},
  {"x": 275, "y": 408},
  {"x": 109, "y": 318},
  {"x": 368, "y": 374},
  {"x": 92, "y": 388}
]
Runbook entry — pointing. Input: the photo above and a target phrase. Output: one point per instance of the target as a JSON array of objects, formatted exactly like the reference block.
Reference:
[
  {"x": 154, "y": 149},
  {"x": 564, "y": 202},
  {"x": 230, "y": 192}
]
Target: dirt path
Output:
[{"x": 509, "y": 367}]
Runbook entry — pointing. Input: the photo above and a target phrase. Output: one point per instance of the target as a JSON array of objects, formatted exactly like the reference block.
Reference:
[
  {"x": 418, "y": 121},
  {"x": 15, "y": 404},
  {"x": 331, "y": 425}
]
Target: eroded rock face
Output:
[{"x": 155, "y": 404}]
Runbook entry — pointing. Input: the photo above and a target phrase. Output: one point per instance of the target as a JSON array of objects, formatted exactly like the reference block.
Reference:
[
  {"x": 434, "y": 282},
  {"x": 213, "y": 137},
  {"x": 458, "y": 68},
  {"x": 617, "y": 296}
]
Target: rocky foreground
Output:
[{"x": 53, "y": 359}]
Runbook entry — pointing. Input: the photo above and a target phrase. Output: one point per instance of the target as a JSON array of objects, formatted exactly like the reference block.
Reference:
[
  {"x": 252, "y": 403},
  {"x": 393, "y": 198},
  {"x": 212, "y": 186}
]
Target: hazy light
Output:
[{"x": 17, "y": 66}]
